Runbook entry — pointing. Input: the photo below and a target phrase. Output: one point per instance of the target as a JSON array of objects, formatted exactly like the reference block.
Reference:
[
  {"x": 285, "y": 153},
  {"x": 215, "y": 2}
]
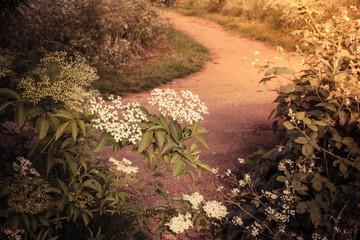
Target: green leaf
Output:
[
  {"x": 103, "y": 141},
  {"x": 64, "y": 188},
  {"x": 301, "y": 140},
  {"x": 175, "y": 130},
  {"x": 53, "y": 121},
  {"x": 307, "y": 150},
  {"x": 160, "y": 137},
  {"x": 26, "y": 221},
  {"x": 9, "y": 93},
  {"x": 317, "y": 185},
  {"x": 82, "y": 126},
  {"x": 300, "y": 115},
  {"x": 200, "y": 139},
  {"x": 329, "y": 106},
  {"x": 144, "y": 141},
  {"x": 34, "y": 112},
  {"x": 64, "y": 114},
  {"x": 85, "y": 217},
  {"x": 44, "y": 221},
  {"x": 178, "y": 169},
  {"x": 50, "y": 161},
  {"x": 71, "y": 162},
  {"x": 168, "y": 147},
  {"x": 116, "y": 147},
  {"x": 286, "y": 89},
  {"x": 288, "y": 125},
  {"x": 61, "y": 129},
  {"x": 20, "y": 114},
  {"x": 74, "y": 129},
  {"x": 42, "y": 127},
  {"x": 205, "y": 166},
  {"x": 330, "y": 186}
]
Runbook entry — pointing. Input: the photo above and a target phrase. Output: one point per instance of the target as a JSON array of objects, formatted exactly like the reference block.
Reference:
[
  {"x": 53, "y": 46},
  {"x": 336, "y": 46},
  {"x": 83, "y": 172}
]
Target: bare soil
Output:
[{"x": 238, "y": 107}]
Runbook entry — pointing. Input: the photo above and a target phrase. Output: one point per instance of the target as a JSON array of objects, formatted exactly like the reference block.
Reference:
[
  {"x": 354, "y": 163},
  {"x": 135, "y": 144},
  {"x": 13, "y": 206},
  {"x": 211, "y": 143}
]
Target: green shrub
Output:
[
  {"x": 59, "y": 177},
  {"x": 308, "y": 187}
]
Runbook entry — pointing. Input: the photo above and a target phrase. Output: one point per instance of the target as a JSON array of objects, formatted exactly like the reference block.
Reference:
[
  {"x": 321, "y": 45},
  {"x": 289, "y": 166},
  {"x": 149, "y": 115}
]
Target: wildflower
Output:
[
  {"x": 109, "y": 120},
  {"x": 215, "y": 209},
  {"x": 220, "y": 188},
  {"x": 183, "y": 107},
  {"x": 215, "y": 170},
  {"x": 237, "y": 220},
  {"x": 124, "y": 166},
  {"x": 256, "y": 53},
  {"x": 247, "y": 178},
  {"x": 180, "y": 223},
  {"x": 253, "y": 63},
  {"x": 235, "y": 191},
  {"x": 24, "y": 167},
  {"x": 255, "y": 229},
  {"x": 195, "y": 199},
  {"x": 242, "y": 183},
  {"x": 228, "y": 173}
]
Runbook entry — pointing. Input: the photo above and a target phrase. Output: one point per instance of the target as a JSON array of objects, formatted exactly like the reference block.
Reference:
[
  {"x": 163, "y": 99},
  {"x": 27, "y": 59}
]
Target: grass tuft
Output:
[
  {"x": 252, "y": 29},
  {"x": 181, "y": 56}
]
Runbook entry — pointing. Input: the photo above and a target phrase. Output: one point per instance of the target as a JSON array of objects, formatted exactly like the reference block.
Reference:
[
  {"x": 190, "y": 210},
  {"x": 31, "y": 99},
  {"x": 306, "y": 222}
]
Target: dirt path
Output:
[{"x": 229, "y": 86}]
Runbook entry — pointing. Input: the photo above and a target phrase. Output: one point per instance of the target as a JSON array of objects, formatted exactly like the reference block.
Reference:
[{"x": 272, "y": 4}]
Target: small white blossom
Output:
[
  {"x": 215, "y": 209},
  {"x": 235, "y": 191},
  {"x": 24, "y": 167},
  {"x": 242, "y": 183},
  {"x": 183, "y": 107},
  {"x": 124, "y": 166},
  {"x": 180, "y": 223},
  {"x": 256, "y": 53},
  {"x": 195, "y": 199},
  {"x": 241, "y": 160},
  {"x": 237, "y": 221}
]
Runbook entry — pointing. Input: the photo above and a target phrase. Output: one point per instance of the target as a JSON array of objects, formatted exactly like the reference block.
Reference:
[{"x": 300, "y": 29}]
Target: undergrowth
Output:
[{"x": 181, "y": 56}]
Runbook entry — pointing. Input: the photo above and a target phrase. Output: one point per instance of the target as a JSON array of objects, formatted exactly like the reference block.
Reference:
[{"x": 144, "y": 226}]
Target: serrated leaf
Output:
[
  {"x": 9, "y": 93},
  {"x": 42, "y": 127},
  {"x": 168, "y": 147},
  {"x": 74, "y": 129},
  {"x": 178, "y": 169},
  {"x": 175, "y": 130},
  {"x": 103, "y": 141},
  {"x": 64, "y": 114},
  {"x": 61, "y": 129},
  {"x": 34, "y": 112},
  {"x": 144, "y": 141},
  {"x": 20, "y": 114},
  {"x": 160, "y": 137}
]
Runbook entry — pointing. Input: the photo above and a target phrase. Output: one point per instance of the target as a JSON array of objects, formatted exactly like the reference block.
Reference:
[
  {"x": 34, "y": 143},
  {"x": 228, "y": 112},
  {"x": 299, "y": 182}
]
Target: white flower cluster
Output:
[
  {"x": 215, "y": 209},
  {"x": 108, "y": 118},
  {"x": 237, "y": 221},
  {"x": 195, "y": 199},
  {"x": 124, "y": 166},
  {"x": 254, "y": 228},
  {"x": 183, "y": 107},
  {"x": 24, "y": 167},
  {"x": 180, "y": 223}
]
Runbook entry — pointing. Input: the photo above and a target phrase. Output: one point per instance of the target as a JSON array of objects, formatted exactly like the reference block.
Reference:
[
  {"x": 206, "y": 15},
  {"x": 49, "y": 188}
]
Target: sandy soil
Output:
[{"x": 238, "y": 107}]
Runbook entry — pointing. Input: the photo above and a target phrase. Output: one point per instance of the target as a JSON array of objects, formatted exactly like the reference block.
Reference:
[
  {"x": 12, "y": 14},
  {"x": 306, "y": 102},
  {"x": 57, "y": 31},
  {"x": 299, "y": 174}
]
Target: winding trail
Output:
[{"x": 229, "y": 86}]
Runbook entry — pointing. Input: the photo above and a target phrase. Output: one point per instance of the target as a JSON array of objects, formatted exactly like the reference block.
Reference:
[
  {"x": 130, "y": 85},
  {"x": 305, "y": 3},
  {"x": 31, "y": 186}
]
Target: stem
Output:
[{"x": 42, "y": 151}]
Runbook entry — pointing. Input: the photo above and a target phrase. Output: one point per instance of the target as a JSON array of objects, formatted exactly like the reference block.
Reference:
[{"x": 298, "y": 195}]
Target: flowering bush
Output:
[
  {"x": 307, "y": 187},
  {"x": 59, "y": 177}
]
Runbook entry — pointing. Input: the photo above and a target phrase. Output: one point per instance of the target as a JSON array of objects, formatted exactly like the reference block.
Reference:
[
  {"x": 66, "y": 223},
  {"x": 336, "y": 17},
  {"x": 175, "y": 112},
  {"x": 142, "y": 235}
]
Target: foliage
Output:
[
  {"x": 58, "y": 178},
  {"x": 110, "y": 32},
  {"x": 317, "y": 162}
]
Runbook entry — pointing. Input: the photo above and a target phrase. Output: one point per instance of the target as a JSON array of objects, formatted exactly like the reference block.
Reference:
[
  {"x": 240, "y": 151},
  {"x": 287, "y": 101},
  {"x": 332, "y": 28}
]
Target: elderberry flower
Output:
[
  {"x": 124, "y": 166},
  {"x": 237, "y": 221},
  {"x": 183, "y": 107},
  {"x": 215, "y": 209},
  {"x": 195, "y": 199},
  {"x": 121, "y": 127},
  {"x": 180, "y": 223}
]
